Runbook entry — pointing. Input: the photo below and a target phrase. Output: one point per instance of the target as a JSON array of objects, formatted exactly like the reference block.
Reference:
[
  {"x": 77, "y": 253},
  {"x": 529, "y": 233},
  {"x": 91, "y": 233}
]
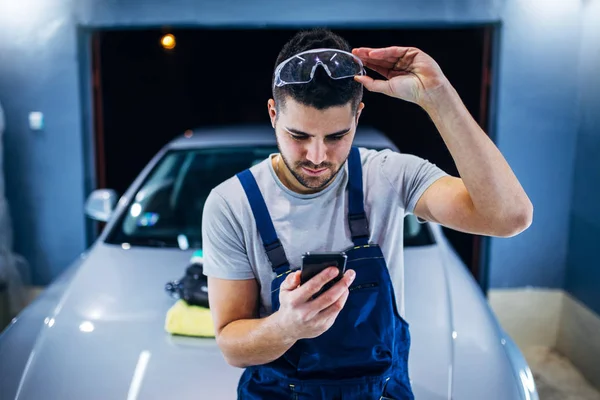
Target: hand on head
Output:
[{"x": 410, "y": 73}]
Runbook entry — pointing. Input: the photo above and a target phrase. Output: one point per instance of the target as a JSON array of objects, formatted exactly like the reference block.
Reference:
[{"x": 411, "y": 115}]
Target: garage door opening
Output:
[{"x": 146, "y": 94}]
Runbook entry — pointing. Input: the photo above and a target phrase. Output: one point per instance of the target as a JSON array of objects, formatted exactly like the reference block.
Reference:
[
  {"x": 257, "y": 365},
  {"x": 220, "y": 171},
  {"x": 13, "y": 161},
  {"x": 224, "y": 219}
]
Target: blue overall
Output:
[{"x": 364, "y": 355}]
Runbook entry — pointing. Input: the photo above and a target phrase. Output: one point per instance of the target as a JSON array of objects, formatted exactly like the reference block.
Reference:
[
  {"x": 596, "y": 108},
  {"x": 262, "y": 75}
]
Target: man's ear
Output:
[
  {"x": 272, "y": 111},
  {"x": 359, "y": 109}
]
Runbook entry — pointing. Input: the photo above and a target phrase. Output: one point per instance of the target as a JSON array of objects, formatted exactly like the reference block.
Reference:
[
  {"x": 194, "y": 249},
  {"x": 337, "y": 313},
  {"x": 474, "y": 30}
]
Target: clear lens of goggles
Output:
[{"x": 301, "y": 68}]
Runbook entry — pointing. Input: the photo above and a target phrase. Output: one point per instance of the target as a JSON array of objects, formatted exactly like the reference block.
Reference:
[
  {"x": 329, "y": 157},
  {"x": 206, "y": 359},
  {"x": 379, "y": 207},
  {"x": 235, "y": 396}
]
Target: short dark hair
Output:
[{"x": 322, "y": 92}]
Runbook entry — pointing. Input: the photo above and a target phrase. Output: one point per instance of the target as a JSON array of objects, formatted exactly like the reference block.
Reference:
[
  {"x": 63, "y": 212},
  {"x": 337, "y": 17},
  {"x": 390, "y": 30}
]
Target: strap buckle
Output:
[
  {"x": 359, "y": 227},
  {"x": 276, "y": 254}
]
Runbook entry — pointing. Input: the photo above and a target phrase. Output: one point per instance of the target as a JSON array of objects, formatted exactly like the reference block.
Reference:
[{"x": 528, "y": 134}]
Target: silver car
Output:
[{"x": 97, "y": 332}]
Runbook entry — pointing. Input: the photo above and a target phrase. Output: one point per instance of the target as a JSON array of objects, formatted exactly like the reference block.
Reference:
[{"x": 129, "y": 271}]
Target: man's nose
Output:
[{"x": 316, "y": 152}]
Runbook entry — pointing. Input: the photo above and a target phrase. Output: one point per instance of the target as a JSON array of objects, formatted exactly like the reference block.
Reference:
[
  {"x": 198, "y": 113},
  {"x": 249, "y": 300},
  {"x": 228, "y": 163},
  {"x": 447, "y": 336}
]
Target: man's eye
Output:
[
  {"x": 336, "y": 137},
  {"x": 298, "y": 137}
]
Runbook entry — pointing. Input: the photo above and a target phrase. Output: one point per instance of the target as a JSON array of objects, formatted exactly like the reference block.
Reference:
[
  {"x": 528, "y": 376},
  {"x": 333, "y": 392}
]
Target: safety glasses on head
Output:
[{"x": 301, "y": 67}]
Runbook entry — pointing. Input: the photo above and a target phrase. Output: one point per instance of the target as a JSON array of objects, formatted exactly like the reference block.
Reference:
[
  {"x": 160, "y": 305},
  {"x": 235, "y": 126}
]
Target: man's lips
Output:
[{"x": 314, "y": 171}]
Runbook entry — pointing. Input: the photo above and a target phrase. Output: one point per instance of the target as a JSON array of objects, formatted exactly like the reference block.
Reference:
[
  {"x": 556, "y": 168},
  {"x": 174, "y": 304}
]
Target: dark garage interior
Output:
[{"x": 148, "y": 94}]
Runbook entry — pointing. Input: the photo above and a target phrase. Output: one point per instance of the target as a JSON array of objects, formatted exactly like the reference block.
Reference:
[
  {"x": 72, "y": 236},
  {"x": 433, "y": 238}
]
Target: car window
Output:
[{"x": 166, "y": 211}]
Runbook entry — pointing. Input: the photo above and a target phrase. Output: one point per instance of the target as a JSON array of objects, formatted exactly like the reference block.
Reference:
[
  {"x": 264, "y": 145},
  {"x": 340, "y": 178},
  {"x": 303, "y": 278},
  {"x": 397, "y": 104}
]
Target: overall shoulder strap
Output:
[
  {"x": 264, "y": 223},
  {"x": 357, "y": 219}
]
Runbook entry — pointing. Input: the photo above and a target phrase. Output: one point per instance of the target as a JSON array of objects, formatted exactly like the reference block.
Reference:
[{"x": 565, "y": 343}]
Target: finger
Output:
[
  {"x": 333, "y": 294},
  {"x": 361, "y": 52},
  {"x": 403, "y": 58},
  {"x": 380, "y": 63},
  {"x": 349, "y": 277},
  {"x": 385, "y": 72},
  {"x": 329, "y": 314},
  {"x": 374, "y": 85},
  {"x": 291, "y": 282},
  {"x": 368, "y": 61},
  {"x": 389, "y": 53},
  {"x": 316, "y": 283}
]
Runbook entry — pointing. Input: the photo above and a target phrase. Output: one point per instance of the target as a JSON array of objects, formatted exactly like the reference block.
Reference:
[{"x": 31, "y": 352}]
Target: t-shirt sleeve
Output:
[
  {"x": 223, "y": 246},
  {"x": 409, "y": 176}
]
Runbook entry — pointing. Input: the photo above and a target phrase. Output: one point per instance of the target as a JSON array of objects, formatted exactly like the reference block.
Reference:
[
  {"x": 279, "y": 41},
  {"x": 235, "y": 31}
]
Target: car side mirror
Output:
[{"x": 100, "y": 204}]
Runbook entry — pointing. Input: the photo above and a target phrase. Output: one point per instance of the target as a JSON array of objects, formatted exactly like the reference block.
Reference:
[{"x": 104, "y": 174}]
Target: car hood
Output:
[
  {"x": 429, "y": 316},
  {"x": 104, "y": 337},
  {"x": 110, "y": 342}
]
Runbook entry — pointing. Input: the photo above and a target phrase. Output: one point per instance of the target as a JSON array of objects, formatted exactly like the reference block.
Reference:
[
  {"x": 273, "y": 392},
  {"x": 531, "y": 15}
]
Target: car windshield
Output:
[{"x": 166, "y": 211}]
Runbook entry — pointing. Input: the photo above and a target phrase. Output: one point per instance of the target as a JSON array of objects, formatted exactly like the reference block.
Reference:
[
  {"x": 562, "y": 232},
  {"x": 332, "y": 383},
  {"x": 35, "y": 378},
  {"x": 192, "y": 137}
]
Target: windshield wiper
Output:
[{"x": 149, "y": 242}]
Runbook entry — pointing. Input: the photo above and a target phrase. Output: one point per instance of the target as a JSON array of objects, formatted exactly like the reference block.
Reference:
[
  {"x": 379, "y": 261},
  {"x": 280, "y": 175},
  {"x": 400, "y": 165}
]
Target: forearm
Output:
[
  {"x": 253, "y": 341},
  {"x": 493, "y": 187}
]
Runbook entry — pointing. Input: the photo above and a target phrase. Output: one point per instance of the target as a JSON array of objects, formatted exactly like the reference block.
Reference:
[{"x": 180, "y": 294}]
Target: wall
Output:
[
  {"x": 537, "y": 126},
  {"x": 583, "y": 271},
  {"x": 39, "y": 70},
  {"x": 44, "y": 177}
]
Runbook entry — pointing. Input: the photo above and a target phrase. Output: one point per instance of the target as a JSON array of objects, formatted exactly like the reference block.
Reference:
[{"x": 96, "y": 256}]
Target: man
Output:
[{"x": 321, "y": 194}]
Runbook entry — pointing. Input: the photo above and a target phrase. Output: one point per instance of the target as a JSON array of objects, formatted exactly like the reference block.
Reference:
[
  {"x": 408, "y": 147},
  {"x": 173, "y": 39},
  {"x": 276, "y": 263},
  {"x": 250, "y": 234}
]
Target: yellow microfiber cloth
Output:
[{"x": 183, "y": 319}]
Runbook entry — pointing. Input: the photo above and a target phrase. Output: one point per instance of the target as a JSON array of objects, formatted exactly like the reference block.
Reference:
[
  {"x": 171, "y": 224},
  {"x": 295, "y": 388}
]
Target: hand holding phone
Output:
[{"x": 301, "y": 315}]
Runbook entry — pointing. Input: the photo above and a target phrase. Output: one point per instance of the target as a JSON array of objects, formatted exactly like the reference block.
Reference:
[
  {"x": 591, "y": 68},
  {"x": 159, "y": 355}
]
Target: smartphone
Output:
[{"x": 314, "y": 263}]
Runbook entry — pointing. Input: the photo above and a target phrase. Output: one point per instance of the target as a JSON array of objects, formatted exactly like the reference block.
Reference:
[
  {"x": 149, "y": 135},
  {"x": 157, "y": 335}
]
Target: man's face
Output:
[{"x": 314, "y": 144}]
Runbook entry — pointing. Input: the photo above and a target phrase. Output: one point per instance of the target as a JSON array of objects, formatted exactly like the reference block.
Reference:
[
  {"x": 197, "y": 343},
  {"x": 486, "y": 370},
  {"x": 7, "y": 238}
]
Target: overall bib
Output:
[{"x": 364, "y": 355}]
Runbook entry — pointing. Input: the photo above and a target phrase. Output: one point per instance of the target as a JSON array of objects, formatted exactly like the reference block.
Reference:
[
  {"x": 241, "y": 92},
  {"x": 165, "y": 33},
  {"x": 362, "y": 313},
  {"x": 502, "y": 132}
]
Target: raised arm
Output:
[{"x": 487, "y": 198}]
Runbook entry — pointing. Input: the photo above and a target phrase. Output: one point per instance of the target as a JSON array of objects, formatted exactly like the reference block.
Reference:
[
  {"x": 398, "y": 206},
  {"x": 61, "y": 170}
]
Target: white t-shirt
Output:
[{"x": 392, "y": 184}]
